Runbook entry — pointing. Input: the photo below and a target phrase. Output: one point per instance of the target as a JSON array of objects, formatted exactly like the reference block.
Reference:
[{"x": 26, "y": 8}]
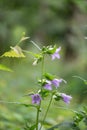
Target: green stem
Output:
[
  {"x": 18, "y": 43},
  {"x": 37, "y": 118},
  {"x": 38, "y": 108},
  {"x": 42, "y": 67},
  {"x": 46, "y": 111},
  {"x": 29, "y": 52}
]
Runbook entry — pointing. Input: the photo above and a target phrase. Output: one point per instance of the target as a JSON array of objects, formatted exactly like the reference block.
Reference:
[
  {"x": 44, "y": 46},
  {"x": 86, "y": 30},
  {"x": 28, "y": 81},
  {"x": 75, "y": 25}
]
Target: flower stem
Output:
[
  {"x": 37, "y": 118},
  {"x": 46, "y": 111},
  {"x": 42, "y": 68},
  {"x": 38, "y": 108},
  {"x": 28, "y": 52}
]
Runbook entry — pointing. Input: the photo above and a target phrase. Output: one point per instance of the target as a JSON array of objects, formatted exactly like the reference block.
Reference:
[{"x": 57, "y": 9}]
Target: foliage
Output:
[
  {"x": 61, "y": 21},
  {"x": 14, "y": 52},
  {"x": 5, "y": 68},
  {"x": 46, "y": 20},
  {"x": 80, "y": 116},
  {"x": 49, "y": 83}
]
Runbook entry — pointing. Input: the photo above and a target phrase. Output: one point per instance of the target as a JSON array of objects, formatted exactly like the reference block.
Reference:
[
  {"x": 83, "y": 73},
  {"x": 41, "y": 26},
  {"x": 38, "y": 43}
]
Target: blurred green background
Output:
[{"x": 61, "y": 22}]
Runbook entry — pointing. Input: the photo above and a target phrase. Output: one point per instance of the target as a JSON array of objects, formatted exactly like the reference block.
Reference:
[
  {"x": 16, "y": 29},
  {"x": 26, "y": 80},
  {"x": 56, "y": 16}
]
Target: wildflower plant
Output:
[{"x": 49, "y": 83}]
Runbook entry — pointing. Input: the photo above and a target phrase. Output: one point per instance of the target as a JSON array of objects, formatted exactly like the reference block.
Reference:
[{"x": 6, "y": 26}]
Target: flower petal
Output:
[
  {"x": 36, "y": 98},
  {"x": 56, "y": 82},
  {"x": 48, "y": 86},
  {"x": 56, "y": 54},
  {"x": 66, "y": 98}
]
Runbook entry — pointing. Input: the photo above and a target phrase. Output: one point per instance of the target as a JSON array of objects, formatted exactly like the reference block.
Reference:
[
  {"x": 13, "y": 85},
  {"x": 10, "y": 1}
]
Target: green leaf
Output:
[
  {"x": 85, "y": 108},
  {"x": 37, "y": 59},
  {"x": 49, "y": 49},
  {"x": 57, "y": 96},
  {"x": 14, "y": 52},
  {"x": 85, "y": 82},
  {"x": 28, "y": 127},
  {"x": 44, "y": 93},
  {"x": 63, "y": 126},
  {"x": 49, "y": 76},
  {"x": 5, "y": 68},
  {"x": 32, "y": 127},
  {"x": 29, "y": 105},
  {"x": 42, "y": 82}
]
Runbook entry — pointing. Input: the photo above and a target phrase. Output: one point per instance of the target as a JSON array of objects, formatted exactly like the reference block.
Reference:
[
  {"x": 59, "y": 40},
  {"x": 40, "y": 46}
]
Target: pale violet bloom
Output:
[
  {"x": 56, "y": 82},
  {"x": 36, "y": 98},
  {"x": 66, "y": 98},
  {"x": 48, "y": 85},
  {"x": 56, "y": 54}
]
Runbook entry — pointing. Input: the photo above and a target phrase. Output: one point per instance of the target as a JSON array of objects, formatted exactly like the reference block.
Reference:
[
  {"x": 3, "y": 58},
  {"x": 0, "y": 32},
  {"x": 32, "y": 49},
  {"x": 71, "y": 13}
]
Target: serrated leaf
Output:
[
  {"x": 14, "y": 52},
  {"x": 5, "y": 68}
]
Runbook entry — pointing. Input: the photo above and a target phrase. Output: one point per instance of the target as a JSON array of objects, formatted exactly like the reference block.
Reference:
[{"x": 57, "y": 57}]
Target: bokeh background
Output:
[{"x": 60, "y": 22}]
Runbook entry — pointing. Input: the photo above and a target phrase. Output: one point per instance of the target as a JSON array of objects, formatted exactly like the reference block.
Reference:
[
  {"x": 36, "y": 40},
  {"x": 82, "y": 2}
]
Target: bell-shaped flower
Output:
[
  {"x": 66, "y": 98},
  {"x": 48, "y": 85},
  {"x": 56, "y": 54},
  {"x": 36, "y": 98},
  {"x": 56, "y": 82}
]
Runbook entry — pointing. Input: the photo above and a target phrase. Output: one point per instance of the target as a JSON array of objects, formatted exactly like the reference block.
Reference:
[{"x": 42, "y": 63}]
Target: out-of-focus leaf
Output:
[
  {"x": 49, "y": 76},
  {"x": 14, "y": 52},
  {"x": 24, "y": 38},
  {"x": 44, "y": 93},
  {"x": 85, "y": 82},
  {"x": 28, "y": 127},
  {"x": 49, "y": 49},
  {"x": 29, "y": 105},
  {"x": 5, "y": 68},
  {"x": 63, "y": 126},
  {"x": 32, "y": 127}
]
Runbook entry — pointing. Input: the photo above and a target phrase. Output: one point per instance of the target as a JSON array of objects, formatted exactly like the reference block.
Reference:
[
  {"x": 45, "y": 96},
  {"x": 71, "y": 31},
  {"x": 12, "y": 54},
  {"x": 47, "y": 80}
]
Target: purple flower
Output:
[
  {"x": 56, "y": 54},
  {"x": 36, "y": 98},
  {"x": 66, "y": 98},
  {"x": 48, "y": 85},
  {"x": 56, "y": 82}
]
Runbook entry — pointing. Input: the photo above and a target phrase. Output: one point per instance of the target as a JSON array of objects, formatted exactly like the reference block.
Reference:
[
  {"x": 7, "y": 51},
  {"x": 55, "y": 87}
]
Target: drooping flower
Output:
[
  {"x": 36, "y": 98},
  {"x": 56, "y": 82},
  {"x": 66, "y": 98},
  {"x": 56, "y": 54},
  {"x": 48, "y": 85}
]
